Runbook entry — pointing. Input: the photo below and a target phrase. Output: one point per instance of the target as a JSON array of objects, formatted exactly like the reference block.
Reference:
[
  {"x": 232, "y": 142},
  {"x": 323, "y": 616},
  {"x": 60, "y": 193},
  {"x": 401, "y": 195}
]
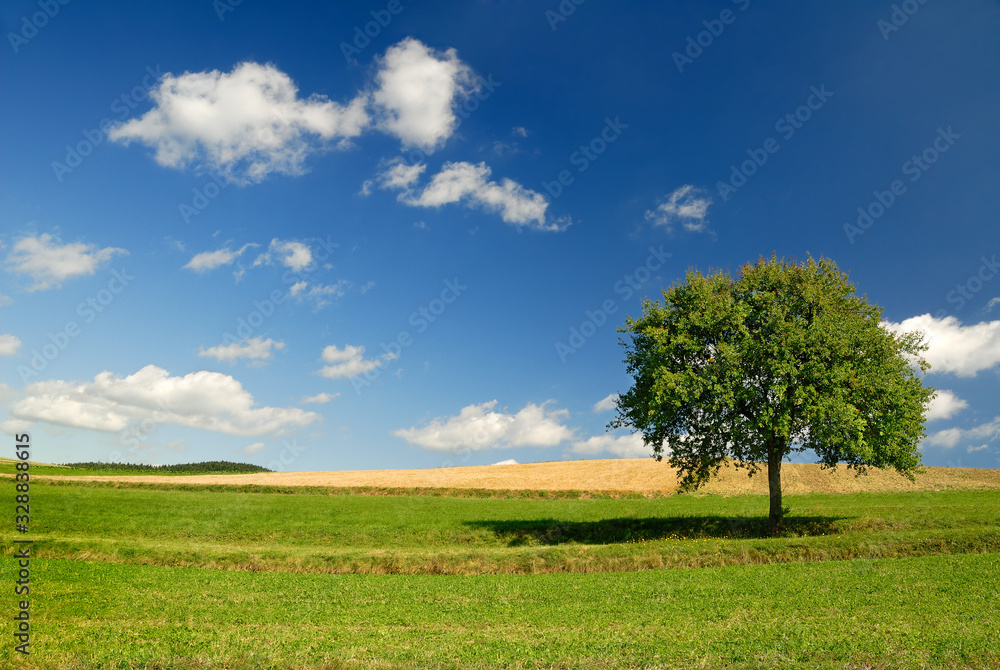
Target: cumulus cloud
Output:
[
  {"x": 622, "y": 446},
  {"x": 320, "y": 398},
  {"x": 49, "y": 262},
  {"x": 349, "y": 361},
  {"x": 466, "y": 183},
  {"x": 291, "y": 254},
  {"x": 245, "y": 124},
  {"x": 944, "y": 405},
  {"x": 478, "y": 427},
  {"x": 206, "y": 400},
  {"x": 9, "y": 345},
  {"x": 252, "y": 122},
  {"x": 607, "y": 403},
  {"x": 254, "y": 349},
  {"x": 209, "y": 260},
  {"x": 962, "y": 350},
  {"x": 687, "y": 206},
  {"x": 417, "y": 89},
  {"x": 950, "y": 437}
]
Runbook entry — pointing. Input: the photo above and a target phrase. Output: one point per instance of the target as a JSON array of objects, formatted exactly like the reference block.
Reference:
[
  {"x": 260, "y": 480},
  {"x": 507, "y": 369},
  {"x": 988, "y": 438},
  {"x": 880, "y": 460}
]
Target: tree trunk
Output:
[{"x": 774, "y": 453}]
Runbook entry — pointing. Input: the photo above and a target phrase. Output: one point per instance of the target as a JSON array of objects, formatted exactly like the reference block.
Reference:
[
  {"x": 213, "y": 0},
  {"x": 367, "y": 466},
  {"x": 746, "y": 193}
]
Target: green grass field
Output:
[{"x": 163, "y": 576}]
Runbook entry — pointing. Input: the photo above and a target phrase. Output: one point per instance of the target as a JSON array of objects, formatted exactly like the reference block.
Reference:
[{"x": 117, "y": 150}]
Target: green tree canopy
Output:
[{"x": 783, "y": 358}]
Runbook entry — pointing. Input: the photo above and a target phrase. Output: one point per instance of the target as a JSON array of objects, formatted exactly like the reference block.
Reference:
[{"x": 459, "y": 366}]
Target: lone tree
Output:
[{"x": 783, "y": 358}]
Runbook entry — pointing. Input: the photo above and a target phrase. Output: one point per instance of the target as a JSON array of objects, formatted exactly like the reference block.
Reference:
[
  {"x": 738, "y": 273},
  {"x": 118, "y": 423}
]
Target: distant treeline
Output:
[{"x": 206, "y": 466}]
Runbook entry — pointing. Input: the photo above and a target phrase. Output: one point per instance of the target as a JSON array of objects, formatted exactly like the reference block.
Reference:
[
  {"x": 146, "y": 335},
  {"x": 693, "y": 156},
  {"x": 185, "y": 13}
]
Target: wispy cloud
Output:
[
  {"x": 607, "y": 403},
  {"x": 209, "y": 260},
  {"x": 253, "y": 349},
  {"x": 349, "y": 362},
  {"x": 687, "y": 206}
]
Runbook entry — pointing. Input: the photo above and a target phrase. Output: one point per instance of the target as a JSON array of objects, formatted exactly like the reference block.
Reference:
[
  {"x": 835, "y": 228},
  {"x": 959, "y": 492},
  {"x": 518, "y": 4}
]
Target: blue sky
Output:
[{"x": 322, "y": 236}]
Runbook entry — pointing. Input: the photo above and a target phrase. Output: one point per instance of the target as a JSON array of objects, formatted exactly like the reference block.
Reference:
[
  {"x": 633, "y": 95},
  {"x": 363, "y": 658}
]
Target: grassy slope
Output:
[
  {"x": 306, "y": 532},
  {"x": 905, "y": 613}
]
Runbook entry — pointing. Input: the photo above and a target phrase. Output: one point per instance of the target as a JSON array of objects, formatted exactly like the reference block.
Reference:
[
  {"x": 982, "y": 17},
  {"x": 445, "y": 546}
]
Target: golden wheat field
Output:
[{"x": 645, "y": 476}]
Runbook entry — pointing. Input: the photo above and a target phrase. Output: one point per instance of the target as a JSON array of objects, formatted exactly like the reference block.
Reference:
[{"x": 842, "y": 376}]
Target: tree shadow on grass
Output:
[{"x": 615, "y": 531}]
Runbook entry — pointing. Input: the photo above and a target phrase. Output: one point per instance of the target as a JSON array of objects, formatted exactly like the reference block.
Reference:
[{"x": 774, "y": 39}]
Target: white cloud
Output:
[
  {"x": 944, "y": 405},
  {"x": 320, "y": 294},
  {"x": 15, "y": 426},
  {"x": 606, "y": 404},
  {"x": 209, "y": 260},
  {"x": 254, "y": 349},
  {"x": 519, "y": 131},
  {"x": 509, "y": 461},
  {"x": 962, "y": 350},
  {"x": 5, "y": 300},
  {"x": 254, "y": 448},
  {"x": 417, "y": 89},
  {"x": 398, "y": 175},
  {"x": 320, "y": 398},
  {"x": 478, "y": 427},
  {"x": 981, "y": 447},
  {"x": 49, "y": 263},
  {"x": 992, "y": 303},
  {"x": 468, "y": 183},
  {"x": 944, "y": 438},
  {"x": 950, "y": 437},
  {"x": 349, "y": 362},
  {"x": 294, "y": 255},
  {"x": 206, "y": 400},
  {"x": 9, "y": 345},
  {"x": 686, "y": 205},
  {"x": 245, "y": 124},
  {"x": 623, "y": 446}
]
